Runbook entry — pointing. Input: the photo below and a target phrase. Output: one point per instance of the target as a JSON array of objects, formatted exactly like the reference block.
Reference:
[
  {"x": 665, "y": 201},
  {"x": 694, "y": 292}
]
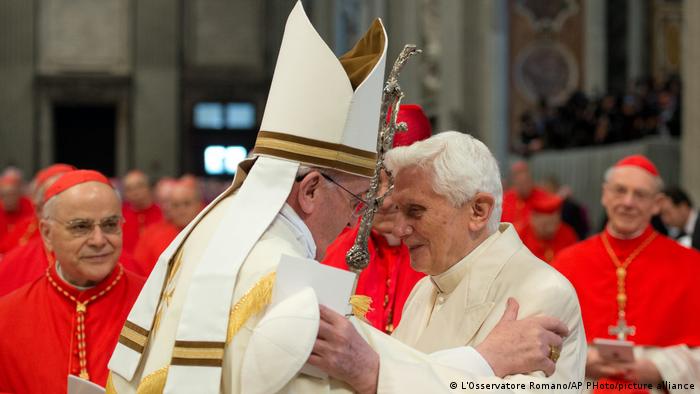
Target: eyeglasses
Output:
[
  {"x": 620, "y": 191},
  {"x": 85, "y": 227},
  {"x": 359, "y": 206}
]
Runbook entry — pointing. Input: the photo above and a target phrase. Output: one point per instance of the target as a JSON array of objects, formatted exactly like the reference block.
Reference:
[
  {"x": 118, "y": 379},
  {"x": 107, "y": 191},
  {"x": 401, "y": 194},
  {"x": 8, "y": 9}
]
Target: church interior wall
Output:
[{"x": 155, "y": 60}]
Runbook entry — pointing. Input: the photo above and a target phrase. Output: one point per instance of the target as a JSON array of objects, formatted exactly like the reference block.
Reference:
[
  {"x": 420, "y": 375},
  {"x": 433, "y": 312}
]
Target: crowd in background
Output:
[{"x": 649, "y": 107}]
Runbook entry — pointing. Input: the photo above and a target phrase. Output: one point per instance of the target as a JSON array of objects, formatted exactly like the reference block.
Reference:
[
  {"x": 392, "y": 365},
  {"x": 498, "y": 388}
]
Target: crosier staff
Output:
[{"x": 357, "y": 257}]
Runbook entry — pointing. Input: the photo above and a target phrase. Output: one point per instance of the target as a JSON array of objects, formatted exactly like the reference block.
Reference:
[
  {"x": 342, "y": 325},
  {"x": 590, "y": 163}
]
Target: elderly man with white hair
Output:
[{"x": 448, "y": 192}]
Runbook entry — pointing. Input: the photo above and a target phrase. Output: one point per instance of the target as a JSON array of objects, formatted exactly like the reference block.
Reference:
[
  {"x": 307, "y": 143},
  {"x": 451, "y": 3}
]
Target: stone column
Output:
[
  {"x": 156, "y": 88},
  {"x": 690, "y": 141},
  {"x": 402, "y": 24},
  {"x": 473, "y": 94},
  {"x": 637, "y": 65},
  {"x": 595, "y": 47},
  {"x": 17, "y": 110}
]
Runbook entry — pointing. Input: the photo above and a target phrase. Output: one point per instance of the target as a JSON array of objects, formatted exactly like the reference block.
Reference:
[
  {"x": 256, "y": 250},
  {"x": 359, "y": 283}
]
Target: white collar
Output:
[
  {"x": 303, "y": 234},
  {"x": 60, "y": 275},
  {"x": 447, "y": 281}
]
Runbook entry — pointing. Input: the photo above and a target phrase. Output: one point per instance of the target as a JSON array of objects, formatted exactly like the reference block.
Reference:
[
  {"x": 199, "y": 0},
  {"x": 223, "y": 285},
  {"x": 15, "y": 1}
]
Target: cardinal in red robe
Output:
[
  {"x": 138, "y": 209},
  {"x": 518, "y": 200},
  {"x": 546, "y": 234},
  {"x": 181, "y": 205},
  {"x": 633, "y": 283},
  {"x": 389, "y": 278},
  {"x": 27, "y": 229},
  {"x": 68, "y": 321},
  {"x": 14, "y": 206}
]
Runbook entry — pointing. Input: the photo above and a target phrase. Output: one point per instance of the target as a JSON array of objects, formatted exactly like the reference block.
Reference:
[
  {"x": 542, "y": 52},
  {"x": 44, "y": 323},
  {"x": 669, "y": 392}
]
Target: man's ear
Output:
[
  {"x": 45, "y": 231},
  {"x": 481, "y": 209},
  {"x": 308, "y": 195}
]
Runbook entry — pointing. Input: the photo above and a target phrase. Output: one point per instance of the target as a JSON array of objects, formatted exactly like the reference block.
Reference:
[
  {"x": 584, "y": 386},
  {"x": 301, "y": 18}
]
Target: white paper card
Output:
[
  {"x": 333, "y": 288},
  {"x": 77, "y": 385},
  {"x": 615, "y": 350}
]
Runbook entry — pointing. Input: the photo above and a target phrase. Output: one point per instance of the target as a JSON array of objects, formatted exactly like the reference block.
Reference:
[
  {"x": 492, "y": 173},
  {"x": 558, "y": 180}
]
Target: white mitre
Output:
[{"x": 321, "y": 111}]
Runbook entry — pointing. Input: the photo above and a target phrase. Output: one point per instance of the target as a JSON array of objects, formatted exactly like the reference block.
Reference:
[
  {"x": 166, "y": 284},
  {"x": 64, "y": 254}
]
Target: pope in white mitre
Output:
[{"x": 203, "y": 322}]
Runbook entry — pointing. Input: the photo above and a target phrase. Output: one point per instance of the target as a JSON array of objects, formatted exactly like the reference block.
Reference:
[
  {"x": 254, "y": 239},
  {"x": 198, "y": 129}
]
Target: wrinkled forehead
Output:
[
  {"x": 413, "y": 184},
  {"x": 633, "y": 178}
]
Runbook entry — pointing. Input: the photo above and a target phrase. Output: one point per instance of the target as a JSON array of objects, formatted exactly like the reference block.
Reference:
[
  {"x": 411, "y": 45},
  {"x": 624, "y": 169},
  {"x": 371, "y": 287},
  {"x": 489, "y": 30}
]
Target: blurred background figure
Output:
[
  {"x": 572, "y": 213},
  {"x": 14, "y": 205},
  {"x": 183, "y": 203},
  {"x": 138, "y": 207},
  {"x": 27, "y": 229},
  {"x": 518, "y": 199},
  {"x": 546, "y": 234},
  {"x": 162, "y": 191},
  {"x": 680, "y": 217}
]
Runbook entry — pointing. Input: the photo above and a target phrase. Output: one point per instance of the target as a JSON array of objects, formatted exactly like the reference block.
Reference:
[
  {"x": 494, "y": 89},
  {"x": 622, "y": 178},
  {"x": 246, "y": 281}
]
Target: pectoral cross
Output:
[{"x": 621, "y": 330}]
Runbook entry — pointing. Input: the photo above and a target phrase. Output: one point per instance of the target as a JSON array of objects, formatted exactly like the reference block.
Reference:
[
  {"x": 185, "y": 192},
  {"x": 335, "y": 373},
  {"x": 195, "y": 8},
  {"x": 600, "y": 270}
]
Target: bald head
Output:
[
  {"x": 521, "y": 178},
  {"x": 10, "y": 189},
  {"x": 82, "y": 227},
  {"x": 137, "y": 190},
  {"x": 185, "y": 203}
]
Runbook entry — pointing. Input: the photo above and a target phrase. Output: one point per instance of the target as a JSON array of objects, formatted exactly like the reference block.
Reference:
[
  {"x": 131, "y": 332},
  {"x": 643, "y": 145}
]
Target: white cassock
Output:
[{"x": 461, "y": 306}]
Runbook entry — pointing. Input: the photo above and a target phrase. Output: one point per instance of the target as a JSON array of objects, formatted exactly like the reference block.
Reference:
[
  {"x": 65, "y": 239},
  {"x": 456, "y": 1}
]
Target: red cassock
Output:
[
  {"x": 152, "y": 243},
  {"x": 135, "y": 222},
  {"x": 25, "y": 264},
  {"x": 545, "y": 250},
  {"x": 10, "y": 219},
  {"x": 23, "y": 231},
  {"x": 661, "y": 286},
  {"x": 387, "y": 280},
  {"x": 517, "y": 210},
  {"x": 39, "y": 324}
]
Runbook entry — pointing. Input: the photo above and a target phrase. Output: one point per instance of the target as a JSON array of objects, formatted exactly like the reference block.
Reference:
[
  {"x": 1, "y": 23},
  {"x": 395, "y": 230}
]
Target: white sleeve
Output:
[
  {"x": 676, "y": 364},
  {"x": 466, "y": 358}
]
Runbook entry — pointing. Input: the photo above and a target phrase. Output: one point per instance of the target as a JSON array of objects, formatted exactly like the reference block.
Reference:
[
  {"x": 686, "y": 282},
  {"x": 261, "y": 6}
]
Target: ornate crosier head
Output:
[{"x": 357, "y": 257}]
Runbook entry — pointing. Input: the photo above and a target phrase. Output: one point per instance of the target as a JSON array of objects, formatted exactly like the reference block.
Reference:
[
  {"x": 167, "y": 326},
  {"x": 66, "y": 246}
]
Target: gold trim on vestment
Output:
[
  {"x": 252, "y": 303},
  {"x": 109, "y": 387},
  {"x": 135, "y": 346},
  {"x": 133, "y": 336},
  {"x": 198, "y": 353},
  {"x": 315, "y": 152},
  {"x": 359, "y": 61},
  {"x": 154, "y": 383}
]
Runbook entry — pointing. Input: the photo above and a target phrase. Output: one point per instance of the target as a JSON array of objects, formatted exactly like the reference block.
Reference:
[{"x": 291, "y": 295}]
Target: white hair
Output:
[
  {"x": 658, "y": 182},
  {"x": 461, "y": 165}
]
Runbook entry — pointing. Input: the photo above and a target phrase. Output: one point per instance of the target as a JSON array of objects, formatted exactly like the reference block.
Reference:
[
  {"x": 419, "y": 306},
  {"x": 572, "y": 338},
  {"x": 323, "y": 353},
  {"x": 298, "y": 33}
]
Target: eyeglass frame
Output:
[
  {"x": 67, "y": 225},
  {"x": 356, "y": 212}
]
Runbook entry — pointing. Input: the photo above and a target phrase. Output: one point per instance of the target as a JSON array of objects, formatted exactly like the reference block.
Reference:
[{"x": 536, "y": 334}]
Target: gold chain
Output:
[
  {"x": 621, "y": 270},
  {"x": 81, "y": 309}
]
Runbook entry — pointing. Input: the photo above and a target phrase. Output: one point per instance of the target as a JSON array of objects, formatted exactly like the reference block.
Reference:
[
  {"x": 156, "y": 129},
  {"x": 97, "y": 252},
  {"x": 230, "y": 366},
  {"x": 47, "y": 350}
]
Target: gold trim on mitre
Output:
[
  {"x": 314, "y": 152},
  {"x": 361, "y": 59}
]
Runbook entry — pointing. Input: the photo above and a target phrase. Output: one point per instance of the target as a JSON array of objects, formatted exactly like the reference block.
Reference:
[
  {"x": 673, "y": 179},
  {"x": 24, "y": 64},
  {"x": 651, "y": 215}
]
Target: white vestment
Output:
[{"x": 462, "y": 305}]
